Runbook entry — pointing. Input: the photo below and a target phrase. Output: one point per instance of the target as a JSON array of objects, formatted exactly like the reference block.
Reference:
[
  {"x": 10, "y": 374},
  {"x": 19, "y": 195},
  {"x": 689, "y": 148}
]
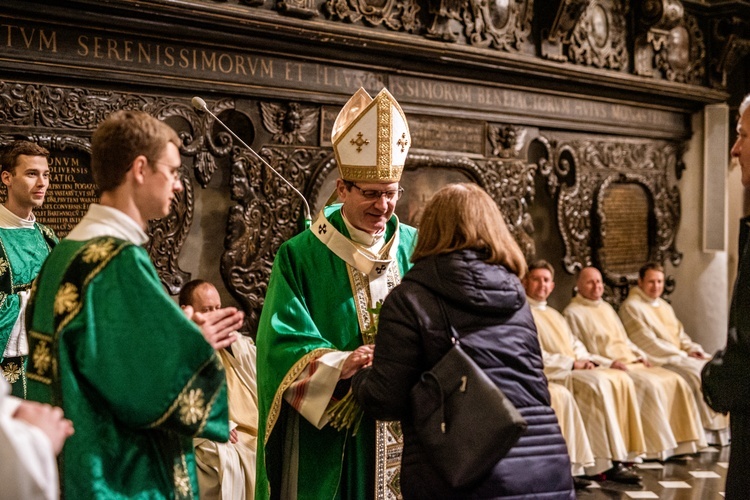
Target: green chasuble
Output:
[
  {"x": 22, "y": 253},
  {"x": 309, "y": 310},
  {"x": 131, "y": 371}
]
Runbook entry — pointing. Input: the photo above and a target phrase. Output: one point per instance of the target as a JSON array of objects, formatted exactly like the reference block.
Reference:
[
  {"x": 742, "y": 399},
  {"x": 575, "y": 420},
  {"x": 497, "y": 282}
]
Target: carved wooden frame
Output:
[
  {"x": 41, "y": 108},
  {"x": 578, "y": 169}
]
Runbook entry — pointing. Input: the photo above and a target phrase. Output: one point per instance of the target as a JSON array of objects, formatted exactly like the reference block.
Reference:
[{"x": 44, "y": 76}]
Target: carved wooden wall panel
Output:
[
  {"x": 267, "y": 213},
  {"x": 669, "y": 43},
  {"x": 39, "y": 112},
  {"x": 582, "y": 173}
]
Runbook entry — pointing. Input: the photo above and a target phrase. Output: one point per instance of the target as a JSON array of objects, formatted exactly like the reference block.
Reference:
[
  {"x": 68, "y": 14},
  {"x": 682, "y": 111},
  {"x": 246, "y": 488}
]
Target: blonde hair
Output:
[{"x": 463, "y": 216}]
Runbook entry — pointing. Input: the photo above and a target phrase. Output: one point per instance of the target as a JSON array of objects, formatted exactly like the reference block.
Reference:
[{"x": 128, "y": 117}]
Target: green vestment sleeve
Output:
[{"x": 135, "y": 375}]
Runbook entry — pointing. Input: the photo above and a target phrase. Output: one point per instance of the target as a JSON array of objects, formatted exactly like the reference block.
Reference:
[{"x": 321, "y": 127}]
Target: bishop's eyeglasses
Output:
[{"x": 374, "y": 194}]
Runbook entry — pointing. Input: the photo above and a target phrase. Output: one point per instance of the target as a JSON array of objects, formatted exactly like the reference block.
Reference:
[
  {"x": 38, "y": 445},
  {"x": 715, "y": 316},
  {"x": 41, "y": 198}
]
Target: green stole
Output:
[
  {"x": 13, "y": 281},
  {"x": 131, "y": 371},
  {"x": 309, "y": 310}
]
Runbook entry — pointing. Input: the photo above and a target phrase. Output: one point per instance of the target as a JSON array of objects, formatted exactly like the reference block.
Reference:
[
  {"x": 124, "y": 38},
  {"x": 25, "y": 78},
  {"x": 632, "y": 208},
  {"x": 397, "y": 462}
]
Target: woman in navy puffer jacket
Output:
[{"x": 466, "y": 255}]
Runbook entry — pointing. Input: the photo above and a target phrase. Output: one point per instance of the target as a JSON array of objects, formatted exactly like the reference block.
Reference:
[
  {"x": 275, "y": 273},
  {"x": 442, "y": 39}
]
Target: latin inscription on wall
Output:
[
  {"x": 625, "y": 245},
  {"x": 70, "y": 193},
  {"x": 128, "y": 57}
]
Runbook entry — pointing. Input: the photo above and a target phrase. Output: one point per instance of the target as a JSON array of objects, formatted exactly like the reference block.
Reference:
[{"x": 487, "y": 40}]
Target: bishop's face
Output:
[{"x": 368, "y": 205}]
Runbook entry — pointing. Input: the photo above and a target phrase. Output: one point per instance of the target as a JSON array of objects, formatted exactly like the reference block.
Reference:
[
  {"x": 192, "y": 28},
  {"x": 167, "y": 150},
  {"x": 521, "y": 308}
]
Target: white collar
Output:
[
  {"x": 644, "y": 296},
  {"x": 102, "y": 220},
  {"x": 589, "y": 302},
  {"x": 9, "y": 220},
  {"x": 540, "y": 305},
  {"x": 363, "y": 237}
]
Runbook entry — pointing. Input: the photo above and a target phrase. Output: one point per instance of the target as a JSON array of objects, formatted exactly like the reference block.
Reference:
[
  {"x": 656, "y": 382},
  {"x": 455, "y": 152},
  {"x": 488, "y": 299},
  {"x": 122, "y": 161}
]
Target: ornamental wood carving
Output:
[
  {"x": 556, "y": 36},
  {"x": 587, "y": 32},
  {"x": 289, "y": 123},
  {"x": 498, "y": 24},
  {"x": 397, "y": 15},
  {"x": 582, "y": 174},
  {"x": 600, "y": 37},
  {"x": 267, "y": 213},
  {"x": 42, "y": 107},
  {"x": 669, "y": 43},
  {"x": 732, "y": 36}
]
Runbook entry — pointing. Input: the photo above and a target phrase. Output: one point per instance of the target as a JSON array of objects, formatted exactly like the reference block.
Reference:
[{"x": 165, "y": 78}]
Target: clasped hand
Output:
[
  {"x": 360, "y": 358},
  {"x": 218, "y": 327}
]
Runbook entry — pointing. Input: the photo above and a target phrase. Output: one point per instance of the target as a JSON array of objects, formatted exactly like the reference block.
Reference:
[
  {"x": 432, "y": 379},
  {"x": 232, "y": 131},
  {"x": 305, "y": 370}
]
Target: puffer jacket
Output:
[{"x": 487, "y": 306}]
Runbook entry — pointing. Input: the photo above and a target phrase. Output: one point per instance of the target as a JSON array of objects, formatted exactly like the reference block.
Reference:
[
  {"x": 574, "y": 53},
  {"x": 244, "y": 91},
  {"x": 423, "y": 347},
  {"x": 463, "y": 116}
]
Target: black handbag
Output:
[{"x": 463, "y": 421}]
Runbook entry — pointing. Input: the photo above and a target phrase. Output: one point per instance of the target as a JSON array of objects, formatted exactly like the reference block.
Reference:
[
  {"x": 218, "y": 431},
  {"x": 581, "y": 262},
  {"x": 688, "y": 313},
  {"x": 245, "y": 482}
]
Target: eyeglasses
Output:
[
  {"x": 172, "y": 173},
  {"x": 374, "y": 194}
]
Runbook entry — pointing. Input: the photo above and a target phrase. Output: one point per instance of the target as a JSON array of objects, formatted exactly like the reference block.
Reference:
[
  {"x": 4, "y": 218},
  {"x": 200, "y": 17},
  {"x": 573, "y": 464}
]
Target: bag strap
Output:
[{"x": 448, "y": 325}]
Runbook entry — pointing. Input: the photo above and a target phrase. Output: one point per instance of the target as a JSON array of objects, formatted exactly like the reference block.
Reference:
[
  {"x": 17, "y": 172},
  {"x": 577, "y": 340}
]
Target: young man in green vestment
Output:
[
  {"x": 318, "y": 322},
  {"x": 24, "y": 244},
  {"x": 136, "y": 376}
]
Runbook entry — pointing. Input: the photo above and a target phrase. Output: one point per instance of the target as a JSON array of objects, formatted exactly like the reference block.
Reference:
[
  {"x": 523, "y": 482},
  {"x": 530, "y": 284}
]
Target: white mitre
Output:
[{"x": 371, "y": 138}]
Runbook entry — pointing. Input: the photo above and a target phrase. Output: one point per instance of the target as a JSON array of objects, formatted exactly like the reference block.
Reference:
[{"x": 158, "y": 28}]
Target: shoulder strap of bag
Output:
[{"x": 448, "y": 325}]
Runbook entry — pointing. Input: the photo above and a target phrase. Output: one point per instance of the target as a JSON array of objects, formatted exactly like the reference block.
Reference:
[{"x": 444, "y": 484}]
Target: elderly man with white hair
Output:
[{"x": 726, "y": 378}]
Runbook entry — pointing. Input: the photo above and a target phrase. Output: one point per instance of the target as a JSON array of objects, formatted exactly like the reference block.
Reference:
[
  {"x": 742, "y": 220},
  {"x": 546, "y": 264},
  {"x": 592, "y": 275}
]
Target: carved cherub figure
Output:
[{"x": 288, "y": 123}]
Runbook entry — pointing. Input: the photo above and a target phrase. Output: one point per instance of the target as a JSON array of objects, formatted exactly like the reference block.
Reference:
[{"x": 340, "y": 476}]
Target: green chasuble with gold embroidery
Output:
[
  {"x": 309, "y": 310},
  {"x": 22, "y": 252},
  {"x": 136, "y": 377}
]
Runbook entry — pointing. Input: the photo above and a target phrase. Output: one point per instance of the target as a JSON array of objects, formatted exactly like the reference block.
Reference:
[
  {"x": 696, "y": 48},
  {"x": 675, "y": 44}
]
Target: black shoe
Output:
[
  {"x": 622, "y": 474},
  {"x": 580, "y": 483}
]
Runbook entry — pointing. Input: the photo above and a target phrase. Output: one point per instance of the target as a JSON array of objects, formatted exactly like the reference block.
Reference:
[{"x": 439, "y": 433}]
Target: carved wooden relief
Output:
[
  {"x": 669, "y": 43},
  {"x": 395, "y": 14},
  {"x": 499, "y": 24},
  {"x": 267, "y": 213},
  {"x": 589, "y": 178},
  {"x": 600, "y": 38},
  {"x": 556, "y": 36},
  {"x": 731, "y": 35},
  {"x": 587, "y": 32},
  {"x": 289, "y": 123},
  {"x": 300, "y": 8},
  {"x": 203, "y": 139},
  {"x": 42, "y": 107}
]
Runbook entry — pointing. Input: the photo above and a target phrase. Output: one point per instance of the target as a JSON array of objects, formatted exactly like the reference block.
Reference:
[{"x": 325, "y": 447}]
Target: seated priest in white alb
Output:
[
  {"x": 573, "y": 430},
  {"x": 653, "y": 326},
  {"x": 606, "y": 397},
  {"x": 226, "y": 471},
  {"x": 667, "y": 403}
]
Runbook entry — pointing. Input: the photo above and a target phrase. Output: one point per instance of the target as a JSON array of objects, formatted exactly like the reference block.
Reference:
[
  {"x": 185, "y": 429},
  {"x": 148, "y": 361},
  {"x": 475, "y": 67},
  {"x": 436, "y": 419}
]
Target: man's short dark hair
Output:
[
  {"x": 186, "y": 294},
  {"x": 18, "y": 148},
  {"x": 650, "y": 266},
  {"x": 542, "y": 264}
]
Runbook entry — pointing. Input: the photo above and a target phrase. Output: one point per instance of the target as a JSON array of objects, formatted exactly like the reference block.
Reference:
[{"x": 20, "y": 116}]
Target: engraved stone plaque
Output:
[
  {"x": 624, "y": 232},
  {"x": 70, "y": 193}
]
